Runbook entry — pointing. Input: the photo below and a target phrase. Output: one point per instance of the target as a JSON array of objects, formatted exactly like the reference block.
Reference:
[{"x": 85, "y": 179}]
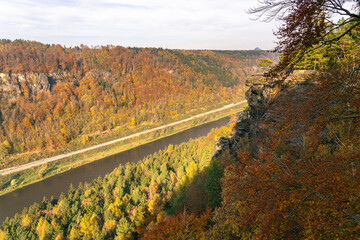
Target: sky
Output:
[{"x": 175, "y": 24}]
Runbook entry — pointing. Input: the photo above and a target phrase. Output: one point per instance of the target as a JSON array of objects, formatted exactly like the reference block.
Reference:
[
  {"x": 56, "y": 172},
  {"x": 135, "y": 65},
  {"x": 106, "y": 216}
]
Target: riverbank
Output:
[
  {"x": 15, "y": 201},
  {"x": 49, "y": 167}
]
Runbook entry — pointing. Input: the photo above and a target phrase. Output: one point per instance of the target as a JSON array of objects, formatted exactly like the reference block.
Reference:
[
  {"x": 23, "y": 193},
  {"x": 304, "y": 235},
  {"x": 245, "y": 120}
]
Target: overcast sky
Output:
[{"x": 181, "y": 24}]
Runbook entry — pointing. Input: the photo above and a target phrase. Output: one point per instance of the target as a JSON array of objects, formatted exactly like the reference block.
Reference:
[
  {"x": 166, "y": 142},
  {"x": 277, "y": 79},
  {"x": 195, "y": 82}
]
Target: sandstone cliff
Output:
[
  {"x": 12, "y": 85},
  {"x": 265, "y": 96}
]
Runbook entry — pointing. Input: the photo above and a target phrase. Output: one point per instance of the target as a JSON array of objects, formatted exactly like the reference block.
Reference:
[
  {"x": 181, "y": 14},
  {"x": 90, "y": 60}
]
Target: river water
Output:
[{"x": 14, "y": 202}]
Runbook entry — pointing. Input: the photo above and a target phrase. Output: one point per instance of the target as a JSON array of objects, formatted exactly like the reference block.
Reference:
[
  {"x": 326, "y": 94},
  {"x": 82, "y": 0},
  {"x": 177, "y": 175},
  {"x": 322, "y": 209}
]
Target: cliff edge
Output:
[{"x": 265, "y": 98}]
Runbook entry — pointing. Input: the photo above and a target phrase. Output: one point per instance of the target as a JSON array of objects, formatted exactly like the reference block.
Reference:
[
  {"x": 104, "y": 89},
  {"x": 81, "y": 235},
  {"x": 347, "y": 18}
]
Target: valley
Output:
[
  {"x": 113, "y": 142},
  {"x": 52, "y": 187}
]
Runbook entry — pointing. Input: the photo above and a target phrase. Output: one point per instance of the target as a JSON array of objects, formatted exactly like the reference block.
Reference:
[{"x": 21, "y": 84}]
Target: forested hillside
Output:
[
  {"x": 52, "y": 96},
  {"x": 292, "y": 167},
  {"x": 130, "y": 201},
  {"x": 289, "y": 169}
]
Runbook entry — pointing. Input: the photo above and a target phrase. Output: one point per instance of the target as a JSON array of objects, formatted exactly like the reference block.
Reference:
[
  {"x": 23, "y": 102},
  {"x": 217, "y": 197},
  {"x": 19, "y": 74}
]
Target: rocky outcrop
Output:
[
  {"x": 11, "y": 84},
  {"x": 263, "y": 90},
  {"x": 232, "y": 143},
  {"x": 262, "y": 96}
]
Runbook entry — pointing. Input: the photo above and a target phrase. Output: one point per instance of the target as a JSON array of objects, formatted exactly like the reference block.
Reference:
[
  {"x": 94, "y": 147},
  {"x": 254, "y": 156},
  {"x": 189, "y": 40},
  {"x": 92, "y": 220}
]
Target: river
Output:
[{"x": 14, "y": 202}]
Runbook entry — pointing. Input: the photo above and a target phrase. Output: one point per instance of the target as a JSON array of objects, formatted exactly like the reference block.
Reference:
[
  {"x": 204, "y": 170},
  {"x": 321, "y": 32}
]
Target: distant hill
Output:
[{"x": 53, "y": 96}]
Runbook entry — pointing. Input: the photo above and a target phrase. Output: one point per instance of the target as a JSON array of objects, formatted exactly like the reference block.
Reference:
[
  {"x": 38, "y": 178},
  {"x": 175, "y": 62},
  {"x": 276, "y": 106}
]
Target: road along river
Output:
[
  {"x": 15, "y": 201},
  {"x": 61, "y": 156}
]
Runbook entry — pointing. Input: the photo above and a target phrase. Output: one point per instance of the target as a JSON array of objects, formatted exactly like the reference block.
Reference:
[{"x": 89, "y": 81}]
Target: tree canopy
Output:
[{"x": 307, "y": 23}]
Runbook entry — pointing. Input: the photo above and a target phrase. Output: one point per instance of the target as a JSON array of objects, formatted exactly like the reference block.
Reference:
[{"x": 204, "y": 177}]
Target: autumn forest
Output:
[
  {"x": 286, "y": 167},
  {"x": 60, "y": 98}
]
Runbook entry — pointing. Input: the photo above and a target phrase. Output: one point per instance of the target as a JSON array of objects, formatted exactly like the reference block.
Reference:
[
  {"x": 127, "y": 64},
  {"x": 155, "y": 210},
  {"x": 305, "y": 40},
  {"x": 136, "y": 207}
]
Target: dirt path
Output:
[{"x": 10, "y": 170}]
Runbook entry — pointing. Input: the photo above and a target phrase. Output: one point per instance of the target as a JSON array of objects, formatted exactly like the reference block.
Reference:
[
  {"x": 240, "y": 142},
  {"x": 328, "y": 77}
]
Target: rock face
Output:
[
  {"x": 232, "y": 143},
  {"x": 11, "y": 84},
  {"x": 263, "y": 91},
  {"x": 262, "y": 96},
  {"x": 263, "y": 100}
]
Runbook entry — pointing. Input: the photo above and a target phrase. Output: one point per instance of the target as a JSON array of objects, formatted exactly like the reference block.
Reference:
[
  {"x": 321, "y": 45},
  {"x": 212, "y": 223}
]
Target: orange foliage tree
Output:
[
  {"x": 182, "y": 226},
  {"x": 304, "y": 181}
]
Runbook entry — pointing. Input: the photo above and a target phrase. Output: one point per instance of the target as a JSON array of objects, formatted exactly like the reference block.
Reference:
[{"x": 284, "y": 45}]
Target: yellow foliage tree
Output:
[
  {"x": 26, "y": 221},
  {"x": 2, "y": 235},
  {"x": 74, "y": 234},
  {"x": 110, "y": 227},
  {"x": 26, "y": 122},
  {"x": 87, "y": 224},
  {"x": 153, "y": 197},
  {"x": 43, "y": 229},
  {"x": 114, "y": 208}
]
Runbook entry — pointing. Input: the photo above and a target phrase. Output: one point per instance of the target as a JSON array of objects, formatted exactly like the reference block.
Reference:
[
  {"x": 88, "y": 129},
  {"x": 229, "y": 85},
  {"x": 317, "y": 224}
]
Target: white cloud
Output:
[{"x": 196, "y": 24}]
